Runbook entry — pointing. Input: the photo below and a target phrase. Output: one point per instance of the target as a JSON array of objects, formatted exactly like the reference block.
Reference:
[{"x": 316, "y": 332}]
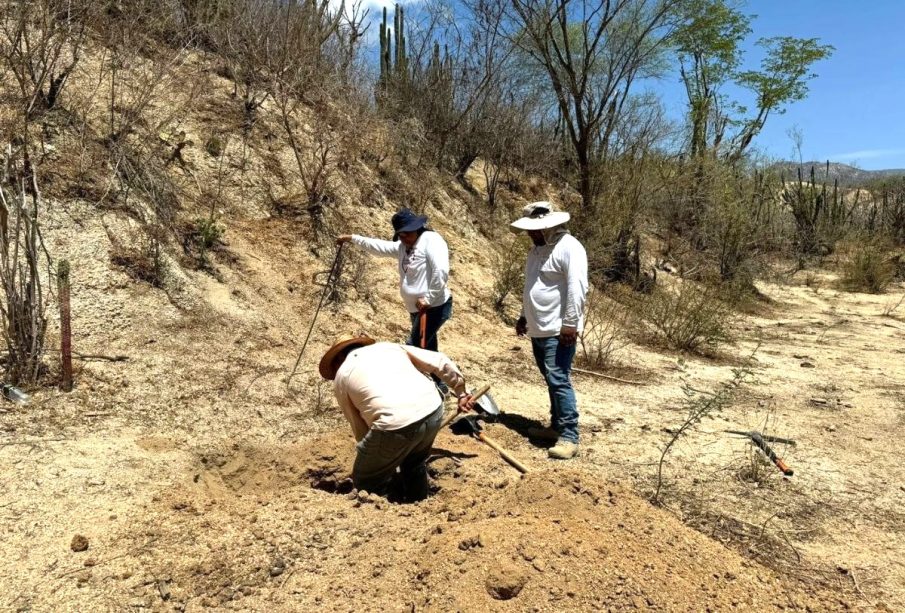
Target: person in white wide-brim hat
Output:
[{"x": 556, "y": 284}]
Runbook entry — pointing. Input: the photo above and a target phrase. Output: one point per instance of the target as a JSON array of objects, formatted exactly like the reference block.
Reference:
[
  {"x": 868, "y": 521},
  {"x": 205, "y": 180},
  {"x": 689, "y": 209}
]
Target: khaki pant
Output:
[{"x": 382, "y": 452}]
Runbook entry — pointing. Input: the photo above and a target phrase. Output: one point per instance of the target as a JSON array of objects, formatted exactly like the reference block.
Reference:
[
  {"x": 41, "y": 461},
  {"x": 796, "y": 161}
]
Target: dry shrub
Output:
[
  {"x": 23, "y": 321},
  {"x": 144, "y": 261},
  {"x": 868, "y": 269},
  {"x": 688, "y": 318},
  {"x": 352, "y": 279},
  {"x": 604, "y": 332},
  {"x": 508, "y": 275}
]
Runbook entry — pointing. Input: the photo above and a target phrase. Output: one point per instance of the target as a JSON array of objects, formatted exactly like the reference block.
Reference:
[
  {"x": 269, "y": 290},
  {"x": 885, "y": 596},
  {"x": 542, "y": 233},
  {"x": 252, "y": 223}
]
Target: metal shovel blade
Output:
[{"x": 486, "y": 405}]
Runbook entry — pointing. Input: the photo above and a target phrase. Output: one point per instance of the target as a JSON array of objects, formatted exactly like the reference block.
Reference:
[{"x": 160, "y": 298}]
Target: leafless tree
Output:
[
  {"x": 22, "y": 307},
  {"x": 42, "y": 42},
  {"x": 592, "y": 53}
]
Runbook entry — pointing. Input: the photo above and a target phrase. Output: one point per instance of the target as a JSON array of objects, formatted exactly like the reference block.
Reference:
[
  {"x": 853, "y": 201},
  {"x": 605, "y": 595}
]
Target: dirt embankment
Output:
[
  {"x": 277, "y": 528},
  {"x": 199, "y": 478}
]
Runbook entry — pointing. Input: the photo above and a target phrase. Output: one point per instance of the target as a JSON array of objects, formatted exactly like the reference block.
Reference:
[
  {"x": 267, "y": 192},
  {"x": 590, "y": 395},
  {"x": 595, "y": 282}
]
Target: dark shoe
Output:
[{"x": 563, "y": 450}]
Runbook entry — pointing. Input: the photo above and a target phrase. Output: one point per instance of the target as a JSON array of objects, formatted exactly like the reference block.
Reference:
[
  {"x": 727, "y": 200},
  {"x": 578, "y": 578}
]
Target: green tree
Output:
[
  {"x": 592, "y": 53},
  {"x": 709, "y": 54},
  {"x": 782, "y": 79},
  {"x": 709, "y": 49}
]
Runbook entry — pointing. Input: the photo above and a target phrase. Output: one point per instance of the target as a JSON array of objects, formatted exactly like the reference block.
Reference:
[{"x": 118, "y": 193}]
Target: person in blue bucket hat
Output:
[{"x": 423, "y": 261}]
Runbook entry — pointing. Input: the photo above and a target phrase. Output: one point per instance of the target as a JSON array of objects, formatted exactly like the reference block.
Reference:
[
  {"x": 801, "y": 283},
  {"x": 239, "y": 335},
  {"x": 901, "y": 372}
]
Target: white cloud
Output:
[
  {"x": 375, "y": 5},
  {"x": 867, "y": 154}
]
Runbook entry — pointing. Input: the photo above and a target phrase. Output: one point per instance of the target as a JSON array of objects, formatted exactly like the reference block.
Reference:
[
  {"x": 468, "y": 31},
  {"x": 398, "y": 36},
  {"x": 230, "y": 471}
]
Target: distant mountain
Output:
[{"x": 847, "y": 175}]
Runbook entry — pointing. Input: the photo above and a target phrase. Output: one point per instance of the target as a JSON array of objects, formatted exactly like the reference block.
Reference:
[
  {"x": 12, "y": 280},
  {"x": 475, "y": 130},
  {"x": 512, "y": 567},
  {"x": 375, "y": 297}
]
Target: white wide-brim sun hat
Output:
[{"x": 539, "y": 216}]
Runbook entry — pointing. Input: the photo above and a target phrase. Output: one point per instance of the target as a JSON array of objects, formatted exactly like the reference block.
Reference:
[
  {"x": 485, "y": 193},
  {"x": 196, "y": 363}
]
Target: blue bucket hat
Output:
[{"x": 406, "y": 221}]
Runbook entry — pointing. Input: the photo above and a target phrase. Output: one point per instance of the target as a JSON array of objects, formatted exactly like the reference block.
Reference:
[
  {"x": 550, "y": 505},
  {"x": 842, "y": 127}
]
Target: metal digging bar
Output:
[
  {"x": 760, "y": 441},
  {"x": 332, "y": 278}
]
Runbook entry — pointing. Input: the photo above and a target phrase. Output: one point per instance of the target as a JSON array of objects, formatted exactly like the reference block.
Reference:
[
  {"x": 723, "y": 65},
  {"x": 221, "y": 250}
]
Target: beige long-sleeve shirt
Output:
[{"x": 381, "y": 386}]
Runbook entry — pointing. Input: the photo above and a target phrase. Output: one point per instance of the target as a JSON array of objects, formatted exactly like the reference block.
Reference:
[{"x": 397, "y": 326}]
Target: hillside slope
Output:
[{"x": 201, "y": 479}]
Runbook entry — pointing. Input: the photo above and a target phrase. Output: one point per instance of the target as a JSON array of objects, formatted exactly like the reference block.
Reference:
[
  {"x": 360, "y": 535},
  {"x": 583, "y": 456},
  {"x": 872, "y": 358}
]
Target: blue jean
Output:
[
  {"x": 555, "y": 363},
  {"x": 436, "y": 317},
  {"x": 381, "y": 452}
]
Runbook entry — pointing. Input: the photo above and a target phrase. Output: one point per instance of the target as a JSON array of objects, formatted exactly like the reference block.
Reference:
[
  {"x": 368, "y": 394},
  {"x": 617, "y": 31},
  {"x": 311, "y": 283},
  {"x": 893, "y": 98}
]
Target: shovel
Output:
[
  {"x": 470, "y": 424},
  {"x": 483, "y": 404}
]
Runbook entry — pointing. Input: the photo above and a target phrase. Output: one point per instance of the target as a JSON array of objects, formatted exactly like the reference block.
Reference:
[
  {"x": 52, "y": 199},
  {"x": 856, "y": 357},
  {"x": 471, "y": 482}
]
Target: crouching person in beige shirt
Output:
[{"x": 395, "y": 410}]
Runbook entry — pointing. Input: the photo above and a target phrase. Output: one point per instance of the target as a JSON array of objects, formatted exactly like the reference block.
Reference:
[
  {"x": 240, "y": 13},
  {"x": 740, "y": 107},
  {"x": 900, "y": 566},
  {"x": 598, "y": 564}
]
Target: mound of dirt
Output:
[{"x": 279, "y": 528}]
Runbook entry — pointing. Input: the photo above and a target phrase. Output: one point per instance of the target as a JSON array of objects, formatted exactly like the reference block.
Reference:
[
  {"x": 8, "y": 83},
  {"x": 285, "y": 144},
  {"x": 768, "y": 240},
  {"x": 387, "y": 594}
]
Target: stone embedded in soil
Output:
[
  {"x": 471, "y": 542},
  {"x": 277, "y": 568},
  {"x": 505, "y": 582},
  {"x": 79, "y": 543},
  {"x": 807, "y": 364}
]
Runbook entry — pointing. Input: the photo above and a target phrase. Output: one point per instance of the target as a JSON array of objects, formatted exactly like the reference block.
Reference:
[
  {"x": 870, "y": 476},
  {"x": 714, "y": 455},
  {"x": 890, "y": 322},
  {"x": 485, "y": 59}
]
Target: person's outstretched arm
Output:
[{"x": 375, "y": 246}]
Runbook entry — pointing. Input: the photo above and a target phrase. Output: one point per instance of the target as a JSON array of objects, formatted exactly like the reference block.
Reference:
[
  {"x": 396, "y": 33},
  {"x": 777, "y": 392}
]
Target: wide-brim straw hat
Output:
[
  {"x": 539, "y": 216},
  {"x": 326, "y": 367}
]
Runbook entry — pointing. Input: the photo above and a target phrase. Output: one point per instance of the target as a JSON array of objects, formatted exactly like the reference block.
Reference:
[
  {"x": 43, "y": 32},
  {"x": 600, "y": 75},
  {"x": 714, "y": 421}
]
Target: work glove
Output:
[{"x": 521, "y": 326}]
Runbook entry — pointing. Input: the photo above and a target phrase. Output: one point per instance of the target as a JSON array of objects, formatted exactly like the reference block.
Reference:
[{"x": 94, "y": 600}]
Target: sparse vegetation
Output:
[
  {"x": 22, "y": 258},
  {"x": 144, "y": 261},
  {"x": 605, "y": 331},
  {"x": 687, "y": 318},
  {"x": 698, "y": 406},
  {"x": 868, "y": 268},
  {"x": 177, "y": 125},
  {"x": 508, "y": 275}
]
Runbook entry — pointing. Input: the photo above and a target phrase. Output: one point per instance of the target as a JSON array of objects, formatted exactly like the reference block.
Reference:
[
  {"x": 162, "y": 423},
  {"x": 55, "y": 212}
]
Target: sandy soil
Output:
[{"x": 199, "y": 479}]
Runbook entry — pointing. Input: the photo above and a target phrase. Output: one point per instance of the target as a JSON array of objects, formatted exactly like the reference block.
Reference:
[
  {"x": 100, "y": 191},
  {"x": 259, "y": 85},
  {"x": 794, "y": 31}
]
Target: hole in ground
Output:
[{"x": 329, "y": 479}]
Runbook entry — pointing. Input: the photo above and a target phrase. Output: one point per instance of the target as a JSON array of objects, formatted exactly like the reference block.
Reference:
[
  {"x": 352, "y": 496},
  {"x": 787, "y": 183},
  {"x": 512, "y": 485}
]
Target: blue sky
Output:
[{"x": 855, "y": 112}]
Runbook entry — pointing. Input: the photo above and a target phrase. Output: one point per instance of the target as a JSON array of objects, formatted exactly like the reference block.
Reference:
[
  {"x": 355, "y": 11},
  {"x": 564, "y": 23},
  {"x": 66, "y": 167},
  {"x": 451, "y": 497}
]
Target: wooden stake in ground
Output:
[{"x": 65, "y": 327}]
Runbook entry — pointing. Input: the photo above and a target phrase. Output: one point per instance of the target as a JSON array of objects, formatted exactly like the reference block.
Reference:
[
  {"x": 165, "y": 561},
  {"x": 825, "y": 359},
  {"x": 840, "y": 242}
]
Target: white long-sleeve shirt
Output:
[
  {"x": 556, "y": 284},
  {"x": 380, "y": 386},
  {"x": 423, "y": 271}
]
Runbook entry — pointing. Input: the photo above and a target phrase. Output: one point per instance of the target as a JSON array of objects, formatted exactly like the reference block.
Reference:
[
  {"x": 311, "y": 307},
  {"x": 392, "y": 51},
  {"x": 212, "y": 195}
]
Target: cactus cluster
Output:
[
  {"x": 819, "y": 217},
  {"x": 393, "y": 60}
]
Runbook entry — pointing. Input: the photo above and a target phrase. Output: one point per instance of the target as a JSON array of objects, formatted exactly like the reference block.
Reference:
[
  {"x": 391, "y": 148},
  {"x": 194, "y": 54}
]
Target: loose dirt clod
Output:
[
  {"x": 506, "y": 581},
  {"x": 79, "y": 543}
]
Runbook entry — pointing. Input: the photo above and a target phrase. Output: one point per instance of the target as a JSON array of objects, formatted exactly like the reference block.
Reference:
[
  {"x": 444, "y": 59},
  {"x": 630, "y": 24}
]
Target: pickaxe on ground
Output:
[{"x": 760, "y": 441}]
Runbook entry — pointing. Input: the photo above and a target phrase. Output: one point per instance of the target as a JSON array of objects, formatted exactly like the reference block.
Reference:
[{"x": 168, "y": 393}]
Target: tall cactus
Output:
[
  {"x": 393, "y": 59},
  {"x": 384, "y": 48},
  {"x": 65, "y": 326}
]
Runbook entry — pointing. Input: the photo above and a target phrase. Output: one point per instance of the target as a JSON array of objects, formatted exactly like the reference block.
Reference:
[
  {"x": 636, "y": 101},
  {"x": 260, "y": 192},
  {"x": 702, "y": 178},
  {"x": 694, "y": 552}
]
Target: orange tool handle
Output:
[
  {"x": 423, "y": 329},
  {"x": 786, "y": 470}
]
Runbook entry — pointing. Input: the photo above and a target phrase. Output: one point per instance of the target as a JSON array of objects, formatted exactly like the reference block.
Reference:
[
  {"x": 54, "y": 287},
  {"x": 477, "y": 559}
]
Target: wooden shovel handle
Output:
[
  {"x": 480, "y": 392},
  {"x": 422, "y": 321},
  {"x": 503, "y": 453}
]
